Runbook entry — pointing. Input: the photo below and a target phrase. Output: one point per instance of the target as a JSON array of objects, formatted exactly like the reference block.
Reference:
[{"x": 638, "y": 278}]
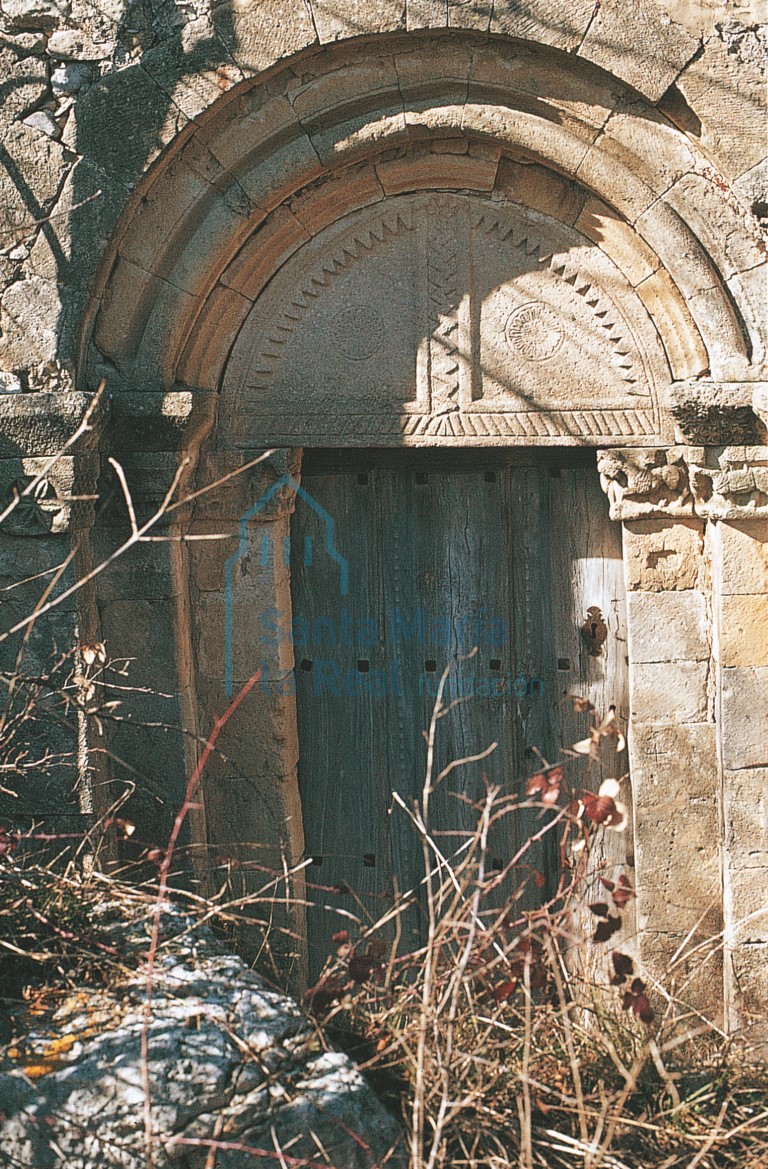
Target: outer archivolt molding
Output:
[{"x": 271, "y": 145}]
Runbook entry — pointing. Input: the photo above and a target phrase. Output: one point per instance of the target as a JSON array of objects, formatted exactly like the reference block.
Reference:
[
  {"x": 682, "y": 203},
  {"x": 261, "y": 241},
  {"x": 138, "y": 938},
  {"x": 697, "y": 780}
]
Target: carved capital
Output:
[
  {"x": 38, "y": 424},
  {"x": 730, "y": 483},
  {"x": 43, "y": 499},
  {"x": 642, "y": 483},
  {"x": 716, "y": 483}
]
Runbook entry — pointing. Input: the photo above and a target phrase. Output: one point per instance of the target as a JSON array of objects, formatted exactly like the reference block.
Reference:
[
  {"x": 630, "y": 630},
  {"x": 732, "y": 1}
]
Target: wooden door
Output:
[{"x": 447, "y": 552}]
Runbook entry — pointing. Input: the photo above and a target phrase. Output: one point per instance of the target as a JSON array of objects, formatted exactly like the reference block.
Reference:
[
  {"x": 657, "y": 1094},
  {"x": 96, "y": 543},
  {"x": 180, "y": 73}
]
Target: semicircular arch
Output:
[{"x": 277, "y": 164}]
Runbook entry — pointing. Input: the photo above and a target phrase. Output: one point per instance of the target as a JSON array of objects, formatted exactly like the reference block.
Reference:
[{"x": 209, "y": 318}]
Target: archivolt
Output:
[{"x": 277, "y": 161}]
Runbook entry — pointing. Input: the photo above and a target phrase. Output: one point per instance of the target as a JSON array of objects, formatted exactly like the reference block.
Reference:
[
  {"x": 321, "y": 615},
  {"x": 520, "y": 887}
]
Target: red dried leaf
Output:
[
  {"x": 636, "y": 1000},
  {"x": 546, "y": 783},
  {"x": 622, "y": 964},
  {"x": 228, "y": 862},
  {"x": 8, "y": 841},
  {"x": 376, "y": 949},
  {"x": 156, "y": 856},
  {"x": 642, "y": 1008},
  {"x": 538, "y": 975},
  {"x": 600, "y": 809},
  {"x": 502, "y": 992},
  {"x": 609, "y": 885},
  {"x": 600, "y": 908},
  {"x": 340, "y": 938},
  {"x": 360, "y": 969},
  {"x": 324, "y": 995},
  {"x": 539, "y": 879},
  {"x": 606, "y": 929},
  {"x": 623, "y": 892}
]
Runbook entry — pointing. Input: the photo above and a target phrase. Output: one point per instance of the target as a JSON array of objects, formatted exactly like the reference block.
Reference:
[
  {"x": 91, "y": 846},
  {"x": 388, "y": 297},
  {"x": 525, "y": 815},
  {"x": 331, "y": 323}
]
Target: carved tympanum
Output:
[{"x": 445, "y": 318}]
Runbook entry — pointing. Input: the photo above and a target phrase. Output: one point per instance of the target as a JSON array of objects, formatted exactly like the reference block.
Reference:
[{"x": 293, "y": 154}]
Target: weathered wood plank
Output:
[{"x": 340, "y": 711}]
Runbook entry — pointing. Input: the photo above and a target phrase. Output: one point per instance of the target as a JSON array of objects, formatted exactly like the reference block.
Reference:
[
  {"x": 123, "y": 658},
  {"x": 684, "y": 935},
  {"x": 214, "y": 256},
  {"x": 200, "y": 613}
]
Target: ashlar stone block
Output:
[
  {"x": 475, "y": 14},
  {"x": 749, "y": 965},
  {"x": 668, "y": 692},
  {"x": 536, "y": 77},
  {"x": 660, "y": 555},
  {"x": 719, "y": 221},
  {"x": 544, "y": 20},
  {"x": 123, "y": 122},
  {"x": 541, "y": 189},
  {"x": 30, "y": 314},
  {"x": 744, "y": 709},
  {"x": 684, "y": 346},
  {"x": 726, "y": 95},
  {"x": 668, "y": 626},
  {"x": 435, "y": 171},
  {"x": 674, "y": 765},
  {"x": 617, "y": 239},
  {"x": 748, "y": 889},
  {"x": 743, "y": 630},
  {"x": 258, "y": 32},
  {"x": 32, "y": 170},
  {"x": 422, "y": 71},
  {"x": 677, "y": 828},
  {"x": 678, "y": 867},
  {"x": 356, "y": 17},
  {"x": 745, "y": 811},
  {"x": 426, "y": 14},
  {"x": 639, "y": 45}
]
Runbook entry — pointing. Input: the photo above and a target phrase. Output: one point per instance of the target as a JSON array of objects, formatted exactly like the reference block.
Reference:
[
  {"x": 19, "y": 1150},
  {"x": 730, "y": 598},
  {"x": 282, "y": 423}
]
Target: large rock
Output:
[
  {"x": 37, "y": 14},
  {"x": 229, "y": 1060}
]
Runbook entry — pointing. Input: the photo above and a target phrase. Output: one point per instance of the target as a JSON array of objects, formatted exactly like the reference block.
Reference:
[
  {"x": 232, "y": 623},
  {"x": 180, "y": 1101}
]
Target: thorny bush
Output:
[
  {"x": 510, "y": 1037},
  {"x": 528, "y": 1038}
]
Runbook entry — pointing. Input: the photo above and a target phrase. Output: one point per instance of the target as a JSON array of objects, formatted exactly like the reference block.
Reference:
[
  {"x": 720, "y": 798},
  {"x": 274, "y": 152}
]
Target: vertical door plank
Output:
[
  {"x": 453, "y": 539},
  {"x": 536, "y": 706},
  {"x": 341, "y": 710},
  {"x": 588, "y": 571}
]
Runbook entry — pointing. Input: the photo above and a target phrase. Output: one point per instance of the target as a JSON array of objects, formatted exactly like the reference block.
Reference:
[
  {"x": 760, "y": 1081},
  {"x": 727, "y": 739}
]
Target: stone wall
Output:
[
  {"x": 160, "y": 163},
  {"x": 92, "y": 95}
]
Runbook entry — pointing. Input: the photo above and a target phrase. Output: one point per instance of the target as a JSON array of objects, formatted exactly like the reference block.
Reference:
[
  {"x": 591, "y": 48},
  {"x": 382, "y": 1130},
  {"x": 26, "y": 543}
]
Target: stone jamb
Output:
[
  {"x": 250, "y": 787},
  {"x": 696, "y": 560}
]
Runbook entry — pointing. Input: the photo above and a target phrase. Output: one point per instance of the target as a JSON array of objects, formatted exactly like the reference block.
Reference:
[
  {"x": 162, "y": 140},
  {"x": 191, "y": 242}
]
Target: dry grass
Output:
[
  {"x": 491, "y": 1049},
  {"x": 492, "y": 1042}
]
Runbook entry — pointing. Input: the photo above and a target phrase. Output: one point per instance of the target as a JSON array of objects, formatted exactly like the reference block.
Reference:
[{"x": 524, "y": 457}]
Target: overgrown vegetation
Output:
[{"x": 509, "y": 1037}]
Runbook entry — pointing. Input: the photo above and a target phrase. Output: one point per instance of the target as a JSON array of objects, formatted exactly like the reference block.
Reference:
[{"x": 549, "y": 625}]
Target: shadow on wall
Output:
[{"x": 165, "y": 68}]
